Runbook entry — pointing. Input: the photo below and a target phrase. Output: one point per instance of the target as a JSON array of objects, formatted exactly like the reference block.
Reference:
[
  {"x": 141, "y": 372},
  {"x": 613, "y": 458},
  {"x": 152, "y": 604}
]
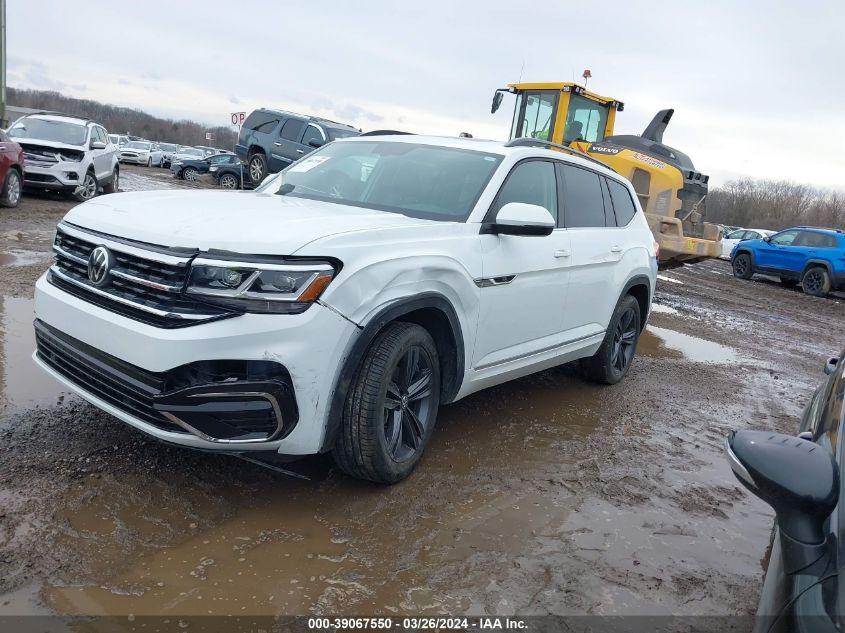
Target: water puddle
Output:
[
  {"x": 24, "y": 258},
  {"x": 661, "y": 342},
  {"x": 22, "y": 383},
  {"x": 335, "y": 545}
]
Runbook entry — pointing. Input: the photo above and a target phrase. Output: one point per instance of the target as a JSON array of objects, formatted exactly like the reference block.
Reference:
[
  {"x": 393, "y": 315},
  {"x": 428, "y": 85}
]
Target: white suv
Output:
[
  {"x": 67, "y": 154},
  {"x": 341, "y": 303}
]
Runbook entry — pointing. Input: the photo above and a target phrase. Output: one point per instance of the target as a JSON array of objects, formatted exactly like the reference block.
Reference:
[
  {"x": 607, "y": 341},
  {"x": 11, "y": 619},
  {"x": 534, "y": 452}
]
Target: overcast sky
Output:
[{"x": 757, "y": 86}]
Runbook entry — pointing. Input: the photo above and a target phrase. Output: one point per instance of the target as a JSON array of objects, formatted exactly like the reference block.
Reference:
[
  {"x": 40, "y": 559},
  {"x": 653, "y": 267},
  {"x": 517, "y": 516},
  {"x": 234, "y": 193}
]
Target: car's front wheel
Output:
[
  {"x": 614, "y": 358},
  {"x": 189, "y": 173},
  {"x": 742, "y": 266},
  {"x": 816, "y": 282},
  {"x": 88, "y": 189},
  {"x": 391, "y": 408},
  {"x": 114, "y": 185}
]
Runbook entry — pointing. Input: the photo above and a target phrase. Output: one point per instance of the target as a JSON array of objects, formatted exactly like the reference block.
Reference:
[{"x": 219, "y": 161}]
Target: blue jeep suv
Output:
[
  {"x": 270, "y": 140},
  {"x": 813, "y": 257}
]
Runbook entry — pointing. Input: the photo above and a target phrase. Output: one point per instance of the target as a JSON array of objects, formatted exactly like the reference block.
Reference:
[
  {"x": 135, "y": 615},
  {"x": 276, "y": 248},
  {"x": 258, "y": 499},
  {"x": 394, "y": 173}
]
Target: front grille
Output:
[
  {"x": 32, "y": 177},
  {"x": 146, "y": 282},
  {"x": 129, "y": 388}
]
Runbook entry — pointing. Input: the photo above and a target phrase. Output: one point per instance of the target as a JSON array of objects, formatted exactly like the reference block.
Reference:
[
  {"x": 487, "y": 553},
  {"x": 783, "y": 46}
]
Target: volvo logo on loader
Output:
[{"x": 99, "y": 264}]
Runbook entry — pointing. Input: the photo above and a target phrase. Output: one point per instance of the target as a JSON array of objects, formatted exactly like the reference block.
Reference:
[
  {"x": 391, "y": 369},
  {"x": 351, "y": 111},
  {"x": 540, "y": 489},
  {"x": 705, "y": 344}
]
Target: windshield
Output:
[
  {"x": 339, "y": 132},
  {"x": 420, "y": 181},
  {"x": 49, "y": 130},
  {"x": 167, "y": 147},
  {"x": 137, "y": 145}
]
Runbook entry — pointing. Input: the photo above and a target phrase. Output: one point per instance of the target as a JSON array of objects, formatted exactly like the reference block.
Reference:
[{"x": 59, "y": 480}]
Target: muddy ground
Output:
[{"x": 544, "y": 495}]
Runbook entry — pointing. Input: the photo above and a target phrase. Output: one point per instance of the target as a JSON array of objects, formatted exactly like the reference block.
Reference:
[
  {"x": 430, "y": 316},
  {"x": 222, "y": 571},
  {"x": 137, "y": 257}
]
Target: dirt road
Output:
[{"x": 545, "y": 495}]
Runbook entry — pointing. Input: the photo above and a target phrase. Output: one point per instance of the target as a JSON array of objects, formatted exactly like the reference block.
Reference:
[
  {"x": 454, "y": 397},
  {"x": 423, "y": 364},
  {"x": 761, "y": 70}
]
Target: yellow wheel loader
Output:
[{"x": 671, "y": 192}]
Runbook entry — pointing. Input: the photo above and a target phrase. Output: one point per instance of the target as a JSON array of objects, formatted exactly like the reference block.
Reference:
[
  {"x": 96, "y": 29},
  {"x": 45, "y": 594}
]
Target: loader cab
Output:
[{"x": 559, "y": 112}]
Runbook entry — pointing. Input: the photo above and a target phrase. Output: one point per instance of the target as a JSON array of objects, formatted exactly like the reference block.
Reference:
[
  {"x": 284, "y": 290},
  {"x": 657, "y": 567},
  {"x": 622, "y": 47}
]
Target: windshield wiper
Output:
[{"x": 287, "y": 188}]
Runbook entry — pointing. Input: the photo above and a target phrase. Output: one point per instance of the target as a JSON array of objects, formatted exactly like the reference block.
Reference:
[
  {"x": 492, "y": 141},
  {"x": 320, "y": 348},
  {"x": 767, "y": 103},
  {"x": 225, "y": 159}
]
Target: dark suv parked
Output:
[{"x": 270, "y": 140}]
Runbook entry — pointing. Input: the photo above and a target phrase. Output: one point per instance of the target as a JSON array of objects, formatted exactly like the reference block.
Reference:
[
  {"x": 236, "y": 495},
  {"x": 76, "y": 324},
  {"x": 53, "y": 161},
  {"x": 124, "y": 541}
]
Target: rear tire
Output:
[
  {"x": 114, "y": 185},
  {"x": 616, "y": 355},
  {"x": 11, "y": 193},
  {"x": 228, "y": 181},
  {"x": 257, "y": 165},
  {"x": 391, "y": 407},
  {"x": 816, "y": 282},
  {"x": 741, "y": 265}
]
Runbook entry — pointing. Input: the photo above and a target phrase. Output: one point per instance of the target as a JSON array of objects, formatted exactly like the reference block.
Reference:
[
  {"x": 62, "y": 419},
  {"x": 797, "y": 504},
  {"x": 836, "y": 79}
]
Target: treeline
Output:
[
  {"x": 118, "y": 120},
  {"x": 775, "y": 205}
]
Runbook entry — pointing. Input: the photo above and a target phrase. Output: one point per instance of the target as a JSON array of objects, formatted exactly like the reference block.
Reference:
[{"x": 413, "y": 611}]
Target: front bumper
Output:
[
  {"x": 295, "y": 359},
  {"x": 135, "y": 160},
  {"x": 64, "y": 175}
]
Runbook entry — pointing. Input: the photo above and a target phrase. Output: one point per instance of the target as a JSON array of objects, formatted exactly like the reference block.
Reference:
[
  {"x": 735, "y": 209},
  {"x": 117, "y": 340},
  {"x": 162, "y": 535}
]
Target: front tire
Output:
[
  {"x": 391, "y": 408},
  {"x": 616, "y": 355},
  {"x": 11, "y": 193},
  {"x": 88, "y": 189},
  {"x": 228, "y": 181},
  {"x": 816, "y": 282},
  {"x": 190, "y": 174},
  {"x": 741, "y": 265}
]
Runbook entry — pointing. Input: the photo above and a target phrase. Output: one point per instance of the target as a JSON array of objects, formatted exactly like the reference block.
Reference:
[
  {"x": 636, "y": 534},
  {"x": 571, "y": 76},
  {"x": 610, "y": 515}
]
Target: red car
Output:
[{"x": 11, "y": 171}]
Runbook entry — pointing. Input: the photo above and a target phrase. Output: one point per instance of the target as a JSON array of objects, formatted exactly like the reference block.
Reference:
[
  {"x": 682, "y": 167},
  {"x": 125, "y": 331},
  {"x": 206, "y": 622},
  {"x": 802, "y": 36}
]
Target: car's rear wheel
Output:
[
  {"x": 816, "y": 282},
  {"x": 150, "y": 161},
  {"x": 228, "y": 181},
  {"x": 742, "y": 266},
  {"x": 114, "y": 185},
  {"x": 616, "y": 355},
  {"x": 87, "y": 189},
  {"x": 391, "y": 408},
  {"x": 257, "y": 167},
  {"x": 189, "y": 173},
  {"x": 11, "y": 194}
]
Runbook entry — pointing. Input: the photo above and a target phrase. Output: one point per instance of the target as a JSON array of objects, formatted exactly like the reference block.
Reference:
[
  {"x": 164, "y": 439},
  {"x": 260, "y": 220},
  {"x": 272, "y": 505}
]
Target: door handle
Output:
[
  {"x": 615, "y": 249},
  {"x": 277, "y": 144},
  {"x": 564, "y": 252},
  {"x": 300, "y": 151}
]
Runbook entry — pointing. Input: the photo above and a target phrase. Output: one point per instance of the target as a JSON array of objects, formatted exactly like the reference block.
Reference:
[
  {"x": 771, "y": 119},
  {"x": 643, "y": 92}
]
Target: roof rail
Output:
[
  {"x": 526, "y": 141},
  {"x": 54, "y": 113},
  {"x": 385, "y": 133}
]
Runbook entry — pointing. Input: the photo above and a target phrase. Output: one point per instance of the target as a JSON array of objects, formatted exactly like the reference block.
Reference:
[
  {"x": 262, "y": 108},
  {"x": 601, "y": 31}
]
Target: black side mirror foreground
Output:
[{"x": 798, "y": 478}]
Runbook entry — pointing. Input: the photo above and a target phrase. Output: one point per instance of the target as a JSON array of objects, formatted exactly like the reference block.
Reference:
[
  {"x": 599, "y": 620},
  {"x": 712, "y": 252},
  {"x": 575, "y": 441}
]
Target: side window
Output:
[
  {"x": 585, "y": 121},
  {"x": 312, "y": 132},
  {"x": 583, "y": 204},
  {"x": 623, "y": 206},
  {"x": 261, "y": 121},
  {"x": 736, "y": 235},
  {"x": 292, "y": 129},
  {"x": 784, "y": 239},
  {"x": 532, "y": 182}
]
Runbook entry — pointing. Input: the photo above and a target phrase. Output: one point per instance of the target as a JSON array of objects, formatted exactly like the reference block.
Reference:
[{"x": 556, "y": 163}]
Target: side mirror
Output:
[
  {"x": 519, "y": 218},
  {"x": 316, "y": 142},
  {"x": 767, "y": 239},
  {"x": 97, "y": 145},
  {"x": 497, "y": 101},
  {"x": 830, "y": 365},
  {"x": 797, "y": 478}
]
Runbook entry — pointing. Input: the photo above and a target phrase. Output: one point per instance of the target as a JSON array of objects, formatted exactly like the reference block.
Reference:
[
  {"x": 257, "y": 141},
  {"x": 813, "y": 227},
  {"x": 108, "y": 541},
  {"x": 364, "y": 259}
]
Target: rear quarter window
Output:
[{"x": 623, "y": 205}]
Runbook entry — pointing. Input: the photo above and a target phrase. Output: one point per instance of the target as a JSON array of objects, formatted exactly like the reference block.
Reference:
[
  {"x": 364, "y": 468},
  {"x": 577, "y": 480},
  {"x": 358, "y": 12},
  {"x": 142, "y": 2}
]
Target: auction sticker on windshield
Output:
[{"x": 307, "y": 164}]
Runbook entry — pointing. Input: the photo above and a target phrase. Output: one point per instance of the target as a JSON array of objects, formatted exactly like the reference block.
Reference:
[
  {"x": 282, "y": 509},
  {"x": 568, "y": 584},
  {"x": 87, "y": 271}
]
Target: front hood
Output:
[
  {"x": 239, "y": 222},
  {"x": 53, "y": 144}
]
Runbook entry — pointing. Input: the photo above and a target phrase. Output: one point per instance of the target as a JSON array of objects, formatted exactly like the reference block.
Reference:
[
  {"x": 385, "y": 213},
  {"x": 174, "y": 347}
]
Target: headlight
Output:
[{"x": 260, "y": 287}]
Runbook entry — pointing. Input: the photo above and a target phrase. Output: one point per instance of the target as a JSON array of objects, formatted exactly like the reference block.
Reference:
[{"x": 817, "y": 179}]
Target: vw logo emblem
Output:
[{"x": 99, "y": 264}]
